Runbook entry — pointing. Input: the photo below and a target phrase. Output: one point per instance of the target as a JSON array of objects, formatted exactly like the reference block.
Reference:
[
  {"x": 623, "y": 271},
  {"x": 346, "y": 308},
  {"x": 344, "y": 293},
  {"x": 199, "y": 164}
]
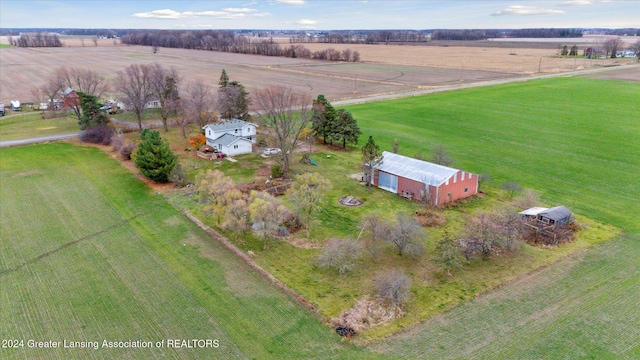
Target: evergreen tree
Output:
[
  {"x": 447, "y": 255},
  {"x": 345, "y": 128},
  {"x": 91, "y": 116},
  {"x": 371, "y": 157},
  {"x": 224, "y": 79},
  {"x": 323, "y": 118},
  {"x": 233, "y": 99},
  {"x": 154, "y": 157}
]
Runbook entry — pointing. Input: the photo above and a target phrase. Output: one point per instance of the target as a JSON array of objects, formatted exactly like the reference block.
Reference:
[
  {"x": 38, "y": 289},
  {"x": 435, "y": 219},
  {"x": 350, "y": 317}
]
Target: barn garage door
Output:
[{"x": 388, "y": 182}]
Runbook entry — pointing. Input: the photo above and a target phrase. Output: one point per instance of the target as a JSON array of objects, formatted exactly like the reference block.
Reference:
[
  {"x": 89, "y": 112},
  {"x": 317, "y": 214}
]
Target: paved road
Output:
[
  {"x": 379, "y": 97},
  {"x": 37, "y": 140}
]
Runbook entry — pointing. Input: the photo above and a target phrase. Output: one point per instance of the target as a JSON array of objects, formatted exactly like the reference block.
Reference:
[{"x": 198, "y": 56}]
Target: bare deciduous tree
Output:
[
  {"x": 184, "y": 118},
  {"x": 339, "y": 254},
  {"x": 212, "y": 185},
  {"x": 406, "y": 235},
  {"x": 83, "y": 80},
  {"x": 635, "y": 47},
  {"x": 284, "y": 113},
  {"x": 52, "y": 89},
  {"x": 200, "y": 101},
  {"x": 395, "y": 144},
  {"x": 164, "y": 82},
  {"x": 441, "y": 156},
  {"x": 393, "y": 286},
  {"x": 135, "y": 83},
  {"x": 306, "y": 193},
  {"x": 377, "y": 230},
  {"x": 529, "y": 198},
  {"x": 267, "y": 211},
  {"x": 611, "y": 46},
  {"x": 487, "y": 231},
  {"x": 511, "y": 187},
  {"x": 236, "y": 218}
]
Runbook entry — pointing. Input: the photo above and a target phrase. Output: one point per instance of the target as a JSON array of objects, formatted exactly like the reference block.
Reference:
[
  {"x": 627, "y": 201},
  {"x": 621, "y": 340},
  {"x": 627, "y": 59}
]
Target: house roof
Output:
[
  {"x": 229, "y": 125},
  {"x": 556, "y": 213},
  {"x": 534, "y": 211},
  {"x": 228, "y": 139},
  {"x": 67, "y": 91},
  {"x": 414, "y": 169}
]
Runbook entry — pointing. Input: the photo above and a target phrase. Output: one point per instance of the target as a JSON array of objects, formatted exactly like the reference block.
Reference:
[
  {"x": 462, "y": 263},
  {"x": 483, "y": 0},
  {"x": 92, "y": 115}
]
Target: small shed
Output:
[
  {"x": 532, "y": 213},
  {"x": 556, "y": 216}
]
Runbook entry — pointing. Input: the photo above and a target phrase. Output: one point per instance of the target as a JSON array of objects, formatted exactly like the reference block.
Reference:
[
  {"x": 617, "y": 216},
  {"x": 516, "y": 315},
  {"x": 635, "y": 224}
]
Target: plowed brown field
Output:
[{"x": 385, "y": 69}]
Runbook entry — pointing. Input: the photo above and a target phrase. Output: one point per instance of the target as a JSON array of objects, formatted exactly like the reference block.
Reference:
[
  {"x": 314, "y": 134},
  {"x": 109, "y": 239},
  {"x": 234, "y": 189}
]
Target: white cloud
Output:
[
  {"x": 239, "y": 10},
  {"x": 229, "y": 13},
  {"x": 261, "y": 15},
  {"x": 291, "y": 2},
  {"x": 161, "y": 14},
  {"x": 306, "y": 22},
  {"x": 526, "y": 10},
  {"x": 577, "y": 2}
]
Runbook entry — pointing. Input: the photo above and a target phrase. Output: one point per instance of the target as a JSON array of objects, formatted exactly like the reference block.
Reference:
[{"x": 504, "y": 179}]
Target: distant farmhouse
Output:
[
  {"x": 422, "y": 180},
  {"x": 124, "y": 103},
  {"x": 69, "y": 97},
  {"x": 232, "y": 137}
]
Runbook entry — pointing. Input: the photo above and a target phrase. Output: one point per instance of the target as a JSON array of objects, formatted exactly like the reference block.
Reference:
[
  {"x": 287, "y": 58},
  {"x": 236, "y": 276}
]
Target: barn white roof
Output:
[{"x": 414, "y": 169}]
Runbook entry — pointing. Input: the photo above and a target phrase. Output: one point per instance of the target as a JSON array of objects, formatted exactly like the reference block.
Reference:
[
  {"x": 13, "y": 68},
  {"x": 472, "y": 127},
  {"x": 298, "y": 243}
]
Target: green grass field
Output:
[
  {"x": 576, "y": 141},
  {"x": 573, "y": 139},
  {"x": 89, "y": 253},
  {"x": 31, "y": 124}
]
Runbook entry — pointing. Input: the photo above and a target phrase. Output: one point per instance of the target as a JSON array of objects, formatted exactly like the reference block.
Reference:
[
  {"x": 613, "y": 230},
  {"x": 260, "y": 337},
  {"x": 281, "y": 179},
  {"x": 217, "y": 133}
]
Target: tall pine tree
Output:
[
  {"x": 91, "y": 114},
  {"x": 345, "y": 128},
  {"x": 371, "y": 156},
  {"x": 323, "y": 118},
  {"x": 154, "y": 158}
]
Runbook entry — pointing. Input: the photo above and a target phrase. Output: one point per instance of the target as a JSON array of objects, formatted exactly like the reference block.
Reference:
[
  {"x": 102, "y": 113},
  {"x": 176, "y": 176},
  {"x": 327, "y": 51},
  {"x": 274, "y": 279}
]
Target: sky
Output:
[{"x": 320, "y": 14}]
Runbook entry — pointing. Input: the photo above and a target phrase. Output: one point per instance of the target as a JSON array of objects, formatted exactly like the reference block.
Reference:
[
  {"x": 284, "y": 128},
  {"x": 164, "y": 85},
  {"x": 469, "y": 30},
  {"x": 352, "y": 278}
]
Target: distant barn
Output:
[{"x": 422, "y": 180}]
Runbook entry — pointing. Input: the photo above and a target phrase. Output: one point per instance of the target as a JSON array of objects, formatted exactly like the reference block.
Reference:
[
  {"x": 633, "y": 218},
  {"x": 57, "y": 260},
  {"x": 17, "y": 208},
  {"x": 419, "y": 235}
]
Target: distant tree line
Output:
[
  {"x": 465, "y": 34},
  {"x": 361, "y": 37},
  {"x": 36, "y": 40},
  {"x": 544, "y": 33},
  {"x": 228, "y": 41},
  {"x": 622, "y": 32}
]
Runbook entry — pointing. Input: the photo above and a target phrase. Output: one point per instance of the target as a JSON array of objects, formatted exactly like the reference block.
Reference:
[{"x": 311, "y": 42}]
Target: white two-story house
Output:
[{"x": 232, "y": 137}]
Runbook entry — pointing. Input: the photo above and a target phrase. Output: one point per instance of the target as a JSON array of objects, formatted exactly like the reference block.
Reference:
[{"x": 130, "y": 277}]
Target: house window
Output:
[
  {"x": 448, "y": 194},
  {"x": 466, "y": 189},
  {"x": 209, "y": 132},
  {"x": 235, "y": 146},
  {"x": 236, "y": 131}
]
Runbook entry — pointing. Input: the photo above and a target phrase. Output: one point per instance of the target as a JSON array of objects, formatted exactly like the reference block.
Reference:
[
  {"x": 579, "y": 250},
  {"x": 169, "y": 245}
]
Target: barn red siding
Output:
[
  {"x": 441, "y": 193},
  {"x": 455, "y": 190},
  {"x": 410, "y": 185}
]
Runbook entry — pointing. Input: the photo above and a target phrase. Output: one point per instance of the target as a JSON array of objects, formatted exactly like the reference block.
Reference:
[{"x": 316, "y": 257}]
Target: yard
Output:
[{"x": 473, "y": 139}]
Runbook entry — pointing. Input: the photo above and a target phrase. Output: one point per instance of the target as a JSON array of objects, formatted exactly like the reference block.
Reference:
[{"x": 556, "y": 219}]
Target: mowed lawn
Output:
[
  {"x": 31, "y": 124},
  {"x": 90, "y": 253},
  {"x": 576, "y": 141}
]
